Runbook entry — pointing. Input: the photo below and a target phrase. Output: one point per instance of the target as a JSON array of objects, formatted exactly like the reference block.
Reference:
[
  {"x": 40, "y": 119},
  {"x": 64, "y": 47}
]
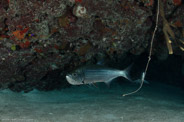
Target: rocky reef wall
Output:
[{"x": 42, "y": 40}]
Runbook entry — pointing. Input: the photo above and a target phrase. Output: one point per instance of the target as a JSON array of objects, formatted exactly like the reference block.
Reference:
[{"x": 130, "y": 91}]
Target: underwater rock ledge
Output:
[{"x": 41, "y": 41}]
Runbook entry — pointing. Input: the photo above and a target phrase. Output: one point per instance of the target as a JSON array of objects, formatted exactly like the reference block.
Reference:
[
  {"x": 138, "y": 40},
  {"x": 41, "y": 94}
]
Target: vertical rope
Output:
[{"x": 150, "y": 53}]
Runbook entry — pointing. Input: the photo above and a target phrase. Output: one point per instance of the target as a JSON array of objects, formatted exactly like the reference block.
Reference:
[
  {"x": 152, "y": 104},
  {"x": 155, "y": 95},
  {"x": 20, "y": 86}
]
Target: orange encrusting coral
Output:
[
  {"x": 84, "y": 49},
  {"x": 78, "y": 1},
  {"x": 178, "y": 23},
  {"x": 4, "y": 36},
  {"x": 20, "y": 34},
  {"x": 25, "y": 44},
  {"x": 38, "y": 50},
  {"x": 24, "y": 31},
  {"x": 150, "y": 3},
  {"x": 177, "y": 2}
]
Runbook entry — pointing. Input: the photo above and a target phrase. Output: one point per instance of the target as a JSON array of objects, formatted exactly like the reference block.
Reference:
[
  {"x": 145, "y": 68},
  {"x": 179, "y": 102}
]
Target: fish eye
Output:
[{"x": 74, "y": 74}]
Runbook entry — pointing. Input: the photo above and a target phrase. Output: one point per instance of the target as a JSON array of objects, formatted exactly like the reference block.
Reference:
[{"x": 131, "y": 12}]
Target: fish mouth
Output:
[{"x": 70, "y": 80}]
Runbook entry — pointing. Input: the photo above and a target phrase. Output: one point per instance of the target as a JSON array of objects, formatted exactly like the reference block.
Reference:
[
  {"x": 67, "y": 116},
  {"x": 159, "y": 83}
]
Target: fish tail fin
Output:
[{"x": 126, "y": 72}]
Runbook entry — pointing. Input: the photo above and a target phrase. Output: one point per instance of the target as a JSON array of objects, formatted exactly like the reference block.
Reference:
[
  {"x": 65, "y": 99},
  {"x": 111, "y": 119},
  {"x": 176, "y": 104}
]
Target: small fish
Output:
[{"x": 96, "y": 73}]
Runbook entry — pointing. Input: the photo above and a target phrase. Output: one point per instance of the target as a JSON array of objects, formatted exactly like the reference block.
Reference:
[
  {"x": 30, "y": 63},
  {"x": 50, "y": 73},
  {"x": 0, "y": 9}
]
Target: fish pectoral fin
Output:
[
  {"x": 108, "y": 82},
  {"x": 95, "y": 85}
]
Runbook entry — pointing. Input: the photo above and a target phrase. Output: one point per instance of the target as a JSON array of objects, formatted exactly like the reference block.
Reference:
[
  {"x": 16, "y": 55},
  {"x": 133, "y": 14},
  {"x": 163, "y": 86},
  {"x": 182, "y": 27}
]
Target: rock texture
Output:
[{"x": 42, "y": 40}]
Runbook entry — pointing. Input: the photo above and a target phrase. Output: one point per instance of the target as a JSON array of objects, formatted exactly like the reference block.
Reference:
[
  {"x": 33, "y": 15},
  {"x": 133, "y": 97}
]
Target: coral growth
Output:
[{"x": 43, "y": 37}]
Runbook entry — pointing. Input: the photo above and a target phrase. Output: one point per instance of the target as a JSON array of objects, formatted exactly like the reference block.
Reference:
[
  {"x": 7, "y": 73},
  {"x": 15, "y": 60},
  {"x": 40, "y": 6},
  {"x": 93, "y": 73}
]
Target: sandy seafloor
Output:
[{"x": 154, "y": 103}]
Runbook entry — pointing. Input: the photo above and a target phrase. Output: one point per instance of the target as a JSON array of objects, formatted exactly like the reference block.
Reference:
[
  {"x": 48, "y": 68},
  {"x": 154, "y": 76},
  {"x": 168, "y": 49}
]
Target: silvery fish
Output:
[{"x": 96, "y": 73}]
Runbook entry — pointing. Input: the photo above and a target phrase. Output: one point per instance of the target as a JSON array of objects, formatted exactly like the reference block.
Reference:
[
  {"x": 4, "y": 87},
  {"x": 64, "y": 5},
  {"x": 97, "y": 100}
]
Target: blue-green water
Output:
[{"x": 154, "y": 103}]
